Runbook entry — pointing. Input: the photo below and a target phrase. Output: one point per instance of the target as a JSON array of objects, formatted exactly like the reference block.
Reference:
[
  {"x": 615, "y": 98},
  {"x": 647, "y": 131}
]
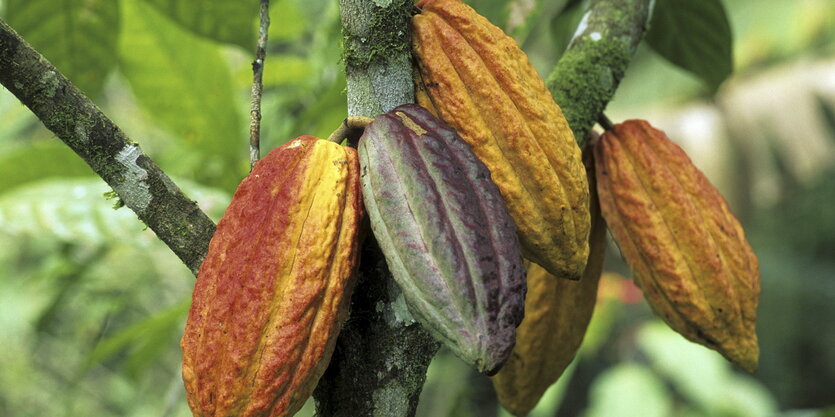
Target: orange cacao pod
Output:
[
  {"x": 477, "y": 80},
  {"x": 557, "y": 314},
  {"x": 275, "y": 286},
  {"x": 687, "y": 251}
]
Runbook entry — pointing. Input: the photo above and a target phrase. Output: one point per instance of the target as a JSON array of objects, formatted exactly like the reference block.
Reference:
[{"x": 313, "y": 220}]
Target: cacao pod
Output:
[
  {"x": 557, "y": 314},
  {"x": 476, "y": 79},
  {"x": 687, "y": 251},
  {"x": 445, "y": 232},
  {"x": 275, "y": 286}
]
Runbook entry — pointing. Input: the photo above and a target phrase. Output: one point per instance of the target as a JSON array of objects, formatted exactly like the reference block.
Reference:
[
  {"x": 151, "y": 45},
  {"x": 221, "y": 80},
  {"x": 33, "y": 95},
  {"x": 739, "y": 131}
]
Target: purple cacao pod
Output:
[{"x": 445, "y": 232}]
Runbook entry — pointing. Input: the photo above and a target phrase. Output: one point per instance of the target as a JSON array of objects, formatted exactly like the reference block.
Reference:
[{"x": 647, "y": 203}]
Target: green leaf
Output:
[
  {"x": 183, "y": 83},
  {"x": 279, "y": 70},
  {"x": 220, "y": 20},
  {"x": 79, "y": 37},
  {"x": 628, "y": 390},
  {"x": 694, "y": 35},
  {"x": 38, "y": 161},
  {"x": 75, "y": 210},
  {"x": 143, "y": 341},
  {"x": 496, "y": 11},
  {"x": 286, "y": 22}
]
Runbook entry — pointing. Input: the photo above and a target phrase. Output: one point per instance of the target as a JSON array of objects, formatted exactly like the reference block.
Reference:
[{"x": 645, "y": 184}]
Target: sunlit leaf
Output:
[
  {"x": 221, "y": 20},
  {"x": 76, "y": 210},
  {"x": 695, "y": 35},
  {"x": 279, "y": 70},
  {"x": 286, "y": 21},
  {"x": 78, "y": 36},
  {"x": 183, "y": 83},
  {"x": 38, "y": 161},
  {"x": 628, "y": 390}
]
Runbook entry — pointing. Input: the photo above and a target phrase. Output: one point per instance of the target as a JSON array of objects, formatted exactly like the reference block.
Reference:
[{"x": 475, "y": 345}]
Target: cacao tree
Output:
[{"x": 380, "y": 357}]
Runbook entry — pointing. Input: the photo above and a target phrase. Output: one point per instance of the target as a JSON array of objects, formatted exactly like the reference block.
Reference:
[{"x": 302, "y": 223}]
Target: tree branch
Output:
[
  {"x": 379, "y": 365},
  {"x": 586, "y": 77},
  {"x": 258, "y": 85},
  {"x": 138, "y": 181}
]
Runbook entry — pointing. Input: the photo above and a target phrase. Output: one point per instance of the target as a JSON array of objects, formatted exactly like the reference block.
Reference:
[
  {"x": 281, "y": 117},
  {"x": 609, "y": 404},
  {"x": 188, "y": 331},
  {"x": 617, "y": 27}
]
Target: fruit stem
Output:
[
  {"x": 351, "y": 129},
  {"x": 604, "y": 122}
]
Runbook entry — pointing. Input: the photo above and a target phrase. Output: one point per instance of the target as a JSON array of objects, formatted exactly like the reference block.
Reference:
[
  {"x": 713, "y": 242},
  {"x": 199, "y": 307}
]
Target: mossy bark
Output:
[
  {"x": 586, "y": 77},
  {"x": 379, "y": 365}
]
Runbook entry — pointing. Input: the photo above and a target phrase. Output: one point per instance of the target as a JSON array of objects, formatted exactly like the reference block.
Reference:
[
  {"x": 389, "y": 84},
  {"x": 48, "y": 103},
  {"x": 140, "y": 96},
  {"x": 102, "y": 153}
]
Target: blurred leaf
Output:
[
  {"x": 286, "y": 22},
  {"x": 220, "y": 20},
  {"x": 701, "y": 374},
  {"x": 496, "y": 11},
  {"x": 522, "y": 17},
  {"x": 182, "y": 81},
  {"x": 142, "y": 341},
  {"x": 75, "y": 210},
  {"x": 564, "y": 25},
  {"x": 695, "y": 35},
  {"x": 38, "y": 161},
  {"x": 280, "y": 69},
  {"x": 745, "y": 397},
  {"x": 628, "y": 390},
  {"x": 16, "y": 117},
  {"x": 78, "y": 36}
]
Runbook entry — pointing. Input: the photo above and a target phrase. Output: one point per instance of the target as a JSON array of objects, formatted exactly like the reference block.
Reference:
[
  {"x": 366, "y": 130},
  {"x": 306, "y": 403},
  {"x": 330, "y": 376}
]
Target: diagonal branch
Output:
[
  {"x": 138, "y": 181},
  {"x": 587, "y": 75}
]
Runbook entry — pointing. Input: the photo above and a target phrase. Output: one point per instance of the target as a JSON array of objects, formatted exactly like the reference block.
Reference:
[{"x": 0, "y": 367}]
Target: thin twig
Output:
[{"x": 258, "y": 85}]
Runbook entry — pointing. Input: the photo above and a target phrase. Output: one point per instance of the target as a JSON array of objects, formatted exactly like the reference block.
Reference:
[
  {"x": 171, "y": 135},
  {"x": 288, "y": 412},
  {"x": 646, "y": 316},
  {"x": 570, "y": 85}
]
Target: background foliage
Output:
[{"x": 92, "y": 304}]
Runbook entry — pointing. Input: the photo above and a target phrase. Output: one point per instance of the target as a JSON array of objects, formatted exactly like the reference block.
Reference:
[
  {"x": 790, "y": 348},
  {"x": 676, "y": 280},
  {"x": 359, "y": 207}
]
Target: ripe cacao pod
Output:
[
  {"x": 276, "y": 283},
  {"x": 476, "y": 79},
  {"x": 687, "y": 251},
  {"x": 445, "y": 232},
  {"x": 557, "y": 314}
]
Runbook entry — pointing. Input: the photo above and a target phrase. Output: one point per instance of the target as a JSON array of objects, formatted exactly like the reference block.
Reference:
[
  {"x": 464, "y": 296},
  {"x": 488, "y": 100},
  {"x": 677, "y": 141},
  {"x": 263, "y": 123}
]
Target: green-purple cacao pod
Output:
[{"x": 445, "y": 232}]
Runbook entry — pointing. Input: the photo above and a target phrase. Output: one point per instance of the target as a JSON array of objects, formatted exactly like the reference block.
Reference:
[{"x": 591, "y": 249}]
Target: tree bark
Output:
[
  {"x": 587, "y": 75},
  {"x": 379, "y": 365}
]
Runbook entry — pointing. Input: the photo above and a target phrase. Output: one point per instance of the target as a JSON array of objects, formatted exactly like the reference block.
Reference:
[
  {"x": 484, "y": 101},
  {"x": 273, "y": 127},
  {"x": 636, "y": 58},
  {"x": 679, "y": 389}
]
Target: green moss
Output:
[
  {"x": 585, "y": 79},
  {"x": 388, "y": 35}
]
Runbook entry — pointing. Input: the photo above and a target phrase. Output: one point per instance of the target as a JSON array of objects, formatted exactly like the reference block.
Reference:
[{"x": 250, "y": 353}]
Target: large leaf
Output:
[
  {"x": 695, "y": 35},
  {"x": 143, "y": 341},
  {"x": 628, "y": 390},
  {"x": 75, "y": 210},
  {"x": 78, "y": 36},
  {"x": 38, "y": 161},
  {"x": 184, "y": 83},
  {"x": 221, "y": 20}
]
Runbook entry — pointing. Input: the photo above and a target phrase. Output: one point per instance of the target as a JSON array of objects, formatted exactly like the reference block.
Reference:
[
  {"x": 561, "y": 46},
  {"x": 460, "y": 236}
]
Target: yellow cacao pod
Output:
[
  {"x": 557, "y": 314},
  {"x": 477, "y": 80},
  {"x": 687, "y": 251},
  {"x": 275, "y": 286}
]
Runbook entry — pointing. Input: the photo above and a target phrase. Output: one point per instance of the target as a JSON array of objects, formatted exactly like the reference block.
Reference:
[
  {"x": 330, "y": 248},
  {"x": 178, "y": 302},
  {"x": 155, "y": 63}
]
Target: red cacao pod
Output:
[{"x": 275, "y": 286}]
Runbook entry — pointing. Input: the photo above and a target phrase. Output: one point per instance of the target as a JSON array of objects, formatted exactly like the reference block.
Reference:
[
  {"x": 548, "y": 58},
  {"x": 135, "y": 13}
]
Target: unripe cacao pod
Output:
[
  {"x": 557, "y": 314},
  {"x": 476, "y": 79},
  {"x": 445, "y": 232},
  {"x": 687, "y": 251},
  {"x": 275, "y": 286}
]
